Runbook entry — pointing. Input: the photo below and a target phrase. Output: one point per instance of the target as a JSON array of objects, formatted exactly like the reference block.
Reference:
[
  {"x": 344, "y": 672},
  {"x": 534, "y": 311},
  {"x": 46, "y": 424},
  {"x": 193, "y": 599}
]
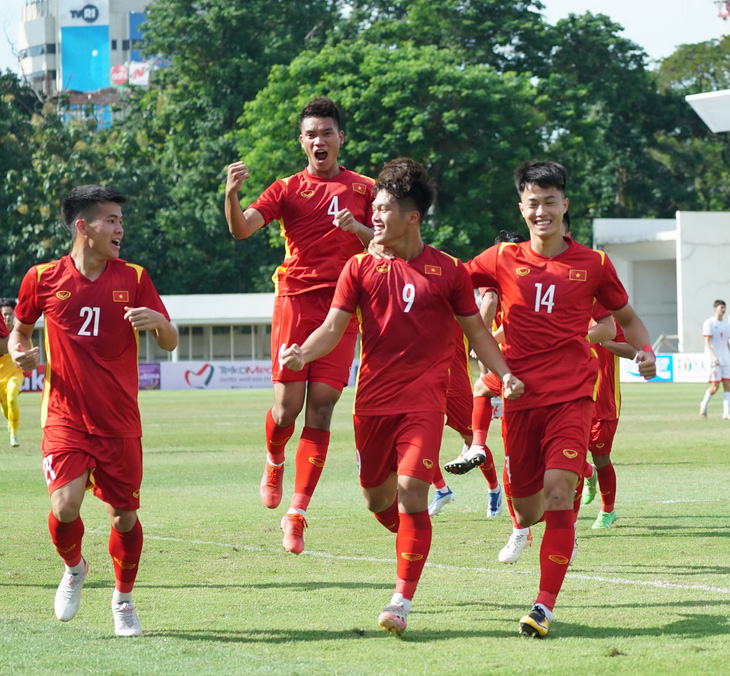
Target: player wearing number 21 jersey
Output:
[
  {"x": 94, "y": 305},
  {"x": 406, "y": 307}
]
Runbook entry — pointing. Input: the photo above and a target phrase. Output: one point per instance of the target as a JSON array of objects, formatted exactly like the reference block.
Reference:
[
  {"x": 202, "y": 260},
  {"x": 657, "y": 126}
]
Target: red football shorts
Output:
[
  {"x": 542, "y": 438},
  {"x": 494, "y": 384},
  {"x": 114, "y": 464},
  {"x": 602, "y": 434},
  {"x": 407, "y": 444},
  {"x": 295, "y": 317},
  {"x": 458, "y": 414}
]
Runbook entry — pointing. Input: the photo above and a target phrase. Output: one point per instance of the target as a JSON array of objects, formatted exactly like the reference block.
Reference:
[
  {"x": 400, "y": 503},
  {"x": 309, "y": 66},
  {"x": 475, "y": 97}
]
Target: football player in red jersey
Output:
[
  {"x": 94, "y": 305},
  {"x": 324, "y": 213},
  {"x": 547, "y": 288},
  {"x": 403, "y": 305}
]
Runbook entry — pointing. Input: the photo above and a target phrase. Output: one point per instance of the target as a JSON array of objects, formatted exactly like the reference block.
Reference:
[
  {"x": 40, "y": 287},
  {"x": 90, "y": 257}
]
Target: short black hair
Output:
[
  {"x": 83, "y": 200},
  {"x": 408, "y": 183},
  {"x": 544, "y": 174},
  {"x": 718, "y": 302},
  {"x": 321, "y": 106},
  {"x": 8, "y": 302},
  {"x": 509, "y": 236}
]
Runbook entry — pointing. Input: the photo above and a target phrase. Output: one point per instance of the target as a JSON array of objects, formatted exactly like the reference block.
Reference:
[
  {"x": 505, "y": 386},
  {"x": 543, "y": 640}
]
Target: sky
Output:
[{"x": 659, "y": 26}]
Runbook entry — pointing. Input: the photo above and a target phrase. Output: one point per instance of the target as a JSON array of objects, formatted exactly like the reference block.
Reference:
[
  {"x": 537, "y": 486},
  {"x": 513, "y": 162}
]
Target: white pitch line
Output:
[{"x": 660, "y": 584}]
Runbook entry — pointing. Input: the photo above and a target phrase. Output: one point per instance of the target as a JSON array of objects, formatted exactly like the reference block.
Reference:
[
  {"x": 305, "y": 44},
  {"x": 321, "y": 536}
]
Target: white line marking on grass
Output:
[{"x": 660, "y": 584}]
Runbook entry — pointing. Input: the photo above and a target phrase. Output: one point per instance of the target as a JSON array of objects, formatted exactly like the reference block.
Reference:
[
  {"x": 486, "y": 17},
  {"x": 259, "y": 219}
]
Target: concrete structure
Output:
[
  {"x": 74, "y": 44},
  {"x": 713, "y": 108},
  {"x": 673, "y": 269}
]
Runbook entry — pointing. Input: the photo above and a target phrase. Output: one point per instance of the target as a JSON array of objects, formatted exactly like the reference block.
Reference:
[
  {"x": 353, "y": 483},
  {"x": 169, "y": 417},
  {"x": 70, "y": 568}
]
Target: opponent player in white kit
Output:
[{"x": 716, "y": 332}]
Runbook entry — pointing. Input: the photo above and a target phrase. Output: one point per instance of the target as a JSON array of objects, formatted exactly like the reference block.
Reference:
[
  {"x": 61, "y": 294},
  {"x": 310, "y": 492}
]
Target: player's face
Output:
[
  {"x": 719, "y": 312},
  {"x": 104, "y": 230},
  {"x": 543, "y": 209},
  {"x": 390, "y": 222},
  {"x": 8, "y": 316},
  {"x": 321, "y": 142}
]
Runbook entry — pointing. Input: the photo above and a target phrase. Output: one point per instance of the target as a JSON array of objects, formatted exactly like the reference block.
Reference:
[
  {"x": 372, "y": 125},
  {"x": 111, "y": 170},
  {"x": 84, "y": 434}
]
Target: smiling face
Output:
[
  {"x": 392, "y": 224},
  {"x": 103, "y": 230},
  {"x": 321, "y": 141},
  {"x": 543, "y": 209}
]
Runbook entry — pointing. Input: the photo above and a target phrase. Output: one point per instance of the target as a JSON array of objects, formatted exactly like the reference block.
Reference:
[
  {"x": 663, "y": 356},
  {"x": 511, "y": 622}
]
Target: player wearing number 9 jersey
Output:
[
  {"x": 547, "y": 288},
  {"x": 406, "y": 307},
  {"x": 94, "y": 306},
  {"x": 324, "y": 213}
]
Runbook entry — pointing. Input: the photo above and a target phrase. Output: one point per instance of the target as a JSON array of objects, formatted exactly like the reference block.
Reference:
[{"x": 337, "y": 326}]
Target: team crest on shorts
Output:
[
  {"x": 428, "y": 463},
  {"x": 600, "y": 445},
  {"x": 569, "y": 453}
]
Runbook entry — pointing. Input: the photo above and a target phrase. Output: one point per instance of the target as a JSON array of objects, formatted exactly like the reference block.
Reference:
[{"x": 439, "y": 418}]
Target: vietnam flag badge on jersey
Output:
[
  {"x": 433, "y": 270},
  {"x": 120, "y": 296},
  {"x": 577, "y": 275},
  {"x": 360, "y": 188}
]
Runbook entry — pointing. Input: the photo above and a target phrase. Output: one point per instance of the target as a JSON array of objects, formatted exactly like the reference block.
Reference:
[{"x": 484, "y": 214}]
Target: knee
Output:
[
  {"x": 65, "y": 511},
  {"x": 123, "y": 522}
]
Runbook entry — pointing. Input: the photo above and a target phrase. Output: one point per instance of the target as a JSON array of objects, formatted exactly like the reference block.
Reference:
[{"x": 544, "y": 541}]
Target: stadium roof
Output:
[{"x": 713, "y": 108}]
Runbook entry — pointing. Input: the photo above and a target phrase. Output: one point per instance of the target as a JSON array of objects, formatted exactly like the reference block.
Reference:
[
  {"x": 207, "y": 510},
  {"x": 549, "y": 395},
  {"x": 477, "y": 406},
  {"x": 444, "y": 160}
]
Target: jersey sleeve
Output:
[
  {"x": 707, "y": 328},
  {"x": 348, "y": 290},
  {"x": 147, "y": 296},
  {"x": 482, "y": 269},
  {"x": 599, "y": 312},
  {"x": 462, "y": 297},
  {"x": 270, "y": 203},
  {"x": 611, "y": 292},
  {"x": 27, "y": 310}
]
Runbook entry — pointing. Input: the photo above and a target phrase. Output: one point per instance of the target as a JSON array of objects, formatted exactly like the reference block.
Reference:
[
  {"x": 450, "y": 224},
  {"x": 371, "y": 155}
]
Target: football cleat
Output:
[
  {"x": 68, "y": 595},
  {"x": 126, "y": 622},
  {"x": 535, "y": 624},
  {"x": 442, "y": 498},
  {"x": 516, "y": 543},
  {"x": 495, "y": 503},
  {"x": 467, "y": 461},
  {"x": 703, "y": 410},
  {"x": 271, "y": 486},
  {"x": 393, "y": 619},
  {"x": 604, "y": 520},
  {"x": 589, "y": 488},
  {"x": 14, "y": 440},
  {"x": 293, "y": 526},
  {"x": 575, "y": 552}
]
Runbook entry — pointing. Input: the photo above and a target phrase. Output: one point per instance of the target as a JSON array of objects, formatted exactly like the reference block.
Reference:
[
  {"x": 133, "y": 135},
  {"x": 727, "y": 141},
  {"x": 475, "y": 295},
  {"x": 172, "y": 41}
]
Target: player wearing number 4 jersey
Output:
[
  {"x": 547, "y": 289},
  {"x": 324, "y": 212},
  {"x": 404, "y": 372},
  {"x": 94, "y": 306}
]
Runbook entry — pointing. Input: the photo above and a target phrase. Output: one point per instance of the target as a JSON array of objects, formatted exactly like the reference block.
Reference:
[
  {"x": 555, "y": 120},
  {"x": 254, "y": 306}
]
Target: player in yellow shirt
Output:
[{"x": 11, "y": 377}]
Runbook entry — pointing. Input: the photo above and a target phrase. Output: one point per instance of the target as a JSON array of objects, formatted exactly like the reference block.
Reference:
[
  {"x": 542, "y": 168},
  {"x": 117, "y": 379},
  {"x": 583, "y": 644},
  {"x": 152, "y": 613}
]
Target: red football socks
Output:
[
  {"x": 555, "y": 551},
  {"x": 66, "y": 538},
  {"x": 276, "y": 438},
  {"x": 412, "y": 546},
  {"x": 311, "y": 454},
  {"x": 607, "y": 486},
  {"x": 481, "y": 416},
  {"x": 389, "y": 518},
  {"x": 125, "y": 550}
]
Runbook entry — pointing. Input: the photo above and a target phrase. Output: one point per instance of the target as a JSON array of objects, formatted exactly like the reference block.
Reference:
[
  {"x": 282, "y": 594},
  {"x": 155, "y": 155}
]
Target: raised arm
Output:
[
  {"x": 638, "y": 337},
  {"x": 344, "y": 220},
  {"x": 241, "y": 224},
  {"x": 489, "y": 354},
  {"x": 319, "y": 343},
  {"x": 145, "y": 319}
]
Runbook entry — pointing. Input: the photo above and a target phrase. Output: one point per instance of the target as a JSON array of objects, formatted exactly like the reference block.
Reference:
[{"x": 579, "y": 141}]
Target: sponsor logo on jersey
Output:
[
  {"x": 63, "y": 295},
  {"x": 385, "y": 267},
  {"x": 317, "y": 462},
  {"x": 522, "y": 271},
  {"x": 577, "y": 275},
  {"x": 428, "y": 463},
  {"x": 433, "y": 270},
  {"x": 124, "y": 566},
  {"x": 559, "y": 559},
  {"x": 569, "y": 453},
  {"x": 307, "y": 193},
  {"x": 360, "y": 188},
  {"x": 408, "y": 556},
  {"x": 120, "y": 296}
]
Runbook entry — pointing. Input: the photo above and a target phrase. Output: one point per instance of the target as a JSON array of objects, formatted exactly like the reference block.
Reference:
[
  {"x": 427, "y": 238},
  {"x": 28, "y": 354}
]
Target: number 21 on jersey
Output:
[{"x": 90, "y": 316}]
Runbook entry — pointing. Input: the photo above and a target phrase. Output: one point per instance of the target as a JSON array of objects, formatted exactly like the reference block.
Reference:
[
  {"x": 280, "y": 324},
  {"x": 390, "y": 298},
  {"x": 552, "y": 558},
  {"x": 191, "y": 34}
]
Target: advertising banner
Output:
[
  {"x": 690, "y": 367},
  {"x": 218, "y": 375}
]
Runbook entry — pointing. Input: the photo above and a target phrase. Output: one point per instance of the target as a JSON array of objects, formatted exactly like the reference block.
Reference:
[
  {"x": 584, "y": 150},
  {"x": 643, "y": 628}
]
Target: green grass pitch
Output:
[{"x": 217, "y": 594}]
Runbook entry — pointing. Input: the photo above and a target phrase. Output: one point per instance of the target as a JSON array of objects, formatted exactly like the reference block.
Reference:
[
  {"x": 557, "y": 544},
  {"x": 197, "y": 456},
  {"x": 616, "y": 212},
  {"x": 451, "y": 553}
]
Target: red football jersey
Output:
[
  {"x": 305, "y": 206},
  {"x": 3, "y": 330},
  {"x": 406, "y": 311},
  {"x": 547, "y": 305},
  {"x": 608, "y": 399},
  {"x": 460, "y": 369},
  {"x": 92, "y": 377}
]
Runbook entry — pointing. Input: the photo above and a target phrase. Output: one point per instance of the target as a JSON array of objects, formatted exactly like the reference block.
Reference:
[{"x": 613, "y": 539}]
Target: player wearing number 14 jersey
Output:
[
  {"x": 547, "y": 289},
  {"x": 94, "y": 306},
  {"x": 406, "y": 308},
  {"x": 324, "y": 213}
]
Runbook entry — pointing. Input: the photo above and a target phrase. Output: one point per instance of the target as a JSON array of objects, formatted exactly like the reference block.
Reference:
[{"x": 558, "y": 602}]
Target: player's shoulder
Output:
[
  {"x": 119, "y": 266},
  {"x": 46, "y": 271},
  {"x": 348, "y": 174}
]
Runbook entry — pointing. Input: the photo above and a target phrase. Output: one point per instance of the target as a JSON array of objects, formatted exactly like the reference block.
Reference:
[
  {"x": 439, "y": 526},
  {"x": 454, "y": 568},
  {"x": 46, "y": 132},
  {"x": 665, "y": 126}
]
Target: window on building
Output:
[
  {"x": 114, "y": 45},
  {"x": 125, "y": 45}
]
